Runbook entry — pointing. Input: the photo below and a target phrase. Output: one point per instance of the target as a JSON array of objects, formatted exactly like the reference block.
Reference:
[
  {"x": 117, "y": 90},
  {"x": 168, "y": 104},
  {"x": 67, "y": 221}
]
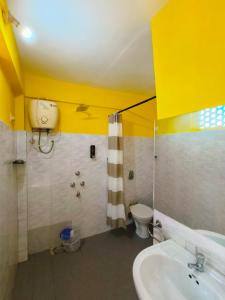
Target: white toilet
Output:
[{"x": 142, "y": 215}]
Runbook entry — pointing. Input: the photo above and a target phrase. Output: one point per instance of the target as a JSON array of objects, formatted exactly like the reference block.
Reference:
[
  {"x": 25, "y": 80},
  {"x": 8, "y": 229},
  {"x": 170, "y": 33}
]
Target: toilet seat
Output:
[{"x": 141, "y": 211}]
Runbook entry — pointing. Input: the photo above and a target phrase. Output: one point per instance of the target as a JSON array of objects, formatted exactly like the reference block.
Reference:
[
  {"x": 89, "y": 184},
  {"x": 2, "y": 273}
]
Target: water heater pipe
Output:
[{"x": 39, "y": 144}]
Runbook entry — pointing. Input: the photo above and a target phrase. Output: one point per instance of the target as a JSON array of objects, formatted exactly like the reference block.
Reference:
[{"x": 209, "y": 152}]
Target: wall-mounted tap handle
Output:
[
  {"x": 159, "y": 238},
  {"x": 200, "y": 263},
  {"x": 157, "y": 224}
]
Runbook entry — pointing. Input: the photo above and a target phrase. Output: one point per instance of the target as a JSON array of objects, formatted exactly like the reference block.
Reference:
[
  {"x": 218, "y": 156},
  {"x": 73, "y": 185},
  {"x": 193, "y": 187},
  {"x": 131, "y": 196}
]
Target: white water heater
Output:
[{"x": 43, "y": 114}]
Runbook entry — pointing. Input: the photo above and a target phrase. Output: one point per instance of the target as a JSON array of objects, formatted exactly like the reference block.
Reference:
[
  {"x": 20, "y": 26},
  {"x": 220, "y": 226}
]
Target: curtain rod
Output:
[{"x": 137, "y": 104}]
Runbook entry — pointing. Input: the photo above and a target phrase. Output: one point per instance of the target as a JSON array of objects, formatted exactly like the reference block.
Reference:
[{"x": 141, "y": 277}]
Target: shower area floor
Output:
[{"x": 100, "y": 270}]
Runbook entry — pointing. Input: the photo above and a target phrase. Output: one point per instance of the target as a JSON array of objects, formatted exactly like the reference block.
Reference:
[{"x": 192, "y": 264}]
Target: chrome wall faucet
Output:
[{"x": 200, "y": 263}]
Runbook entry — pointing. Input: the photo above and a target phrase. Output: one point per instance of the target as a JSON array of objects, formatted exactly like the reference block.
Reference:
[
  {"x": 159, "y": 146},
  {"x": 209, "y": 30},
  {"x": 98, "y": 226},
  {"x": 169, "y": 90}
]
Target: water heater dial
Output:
[{"x": 44, "y": 120}]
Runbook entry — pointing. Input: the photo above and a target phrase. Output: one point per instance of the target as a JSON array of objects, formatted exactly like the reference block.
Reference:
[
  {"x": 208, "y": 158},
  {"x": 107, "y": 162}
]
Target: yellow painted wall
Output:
[
  {"x": 179, "y": 124},
  {"x": 11, "y": 83},
  {"x": 19, "y": 113},
  {"x": 190, "y": 122},
  {"x": 102, "y": 102},
  {"x": 6, "y": 100},
  {"x": 138, "y": 122},
  {"x": 8, "y": 49},
  {"x": 189, "y": 56}
]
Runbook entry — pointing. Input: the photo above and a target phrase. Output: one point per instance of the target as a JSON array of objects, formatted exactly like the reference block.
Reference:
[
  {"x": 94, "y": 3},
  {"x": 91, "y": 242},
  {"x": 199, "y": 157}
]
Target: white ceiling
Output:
[{"x": 98, "y": 42}]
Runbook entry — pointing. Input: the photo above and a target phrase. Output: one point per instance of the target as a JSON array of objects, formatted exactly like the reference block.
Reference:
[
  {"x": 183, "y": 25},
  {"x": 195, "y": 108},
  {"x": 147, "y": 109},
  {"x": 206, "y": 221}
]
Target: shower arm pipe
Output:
[
  {"x": 72, "y": 103},
  {"x": 134, "y": 105},
  {"x": 97, "y": 106}
]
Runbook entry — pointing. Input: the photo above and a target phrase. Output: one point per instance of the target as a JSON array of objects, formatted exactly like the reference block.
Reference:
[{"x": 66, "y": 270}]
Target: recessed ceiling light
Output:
[{"x": 26, "y": 32}]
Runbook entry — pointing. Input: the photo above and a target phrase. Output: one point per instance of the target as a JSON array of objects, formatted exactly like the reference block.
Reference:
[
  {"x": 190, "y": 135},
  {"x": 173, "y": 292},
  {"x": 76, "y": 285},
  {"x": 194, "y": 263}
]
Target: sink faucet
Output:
[{"x": 199, "y": 265}]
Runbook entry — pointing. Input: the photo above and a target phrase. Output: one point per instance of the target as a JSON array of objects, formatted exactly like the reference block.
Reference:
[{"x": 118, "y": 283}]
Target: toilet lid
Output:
[{"x": 141, "y": 211}]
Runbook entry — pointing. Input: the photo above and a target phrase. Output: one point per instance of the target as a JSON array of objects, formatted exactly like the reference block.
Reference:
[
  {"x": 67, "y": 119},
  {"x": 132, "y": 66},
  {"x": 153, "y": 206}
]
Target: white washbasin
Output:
[
  {"x": 216, "y": 237},
  {"x": 160, "y": 272}
]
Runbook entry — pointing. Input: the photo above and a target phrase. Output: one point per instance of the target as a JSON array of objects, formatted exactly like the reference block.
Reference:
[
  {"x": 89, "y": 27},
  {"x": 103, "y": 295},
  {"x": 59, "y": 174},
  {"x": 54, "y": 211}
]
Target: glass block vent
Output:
[{"x": 212, "y": 117}]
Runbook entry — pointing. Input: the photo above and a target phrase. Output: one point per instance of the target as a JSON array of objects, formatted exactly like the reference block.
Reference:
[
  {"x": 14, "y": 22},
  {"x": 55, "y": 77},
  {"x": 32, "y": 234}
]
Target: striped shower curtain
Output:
[{"x": 116, "y": 216}]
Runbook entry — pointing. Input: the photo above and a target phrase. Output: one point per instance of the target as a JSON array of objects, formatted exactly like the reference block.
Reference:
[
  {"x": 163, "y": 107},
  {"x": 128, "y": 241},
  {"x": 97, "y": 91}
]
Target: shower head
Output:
[{"x": 82, "y": 108}]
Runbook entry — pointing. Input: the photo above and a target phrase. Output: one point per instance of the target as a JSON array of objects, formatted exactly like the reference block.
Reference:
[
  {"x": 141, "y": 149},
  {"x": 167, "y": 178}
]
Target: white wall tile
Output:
[
  {"x": 8, "y": 211},
  {"x": 190, "y": 178},
  {"x": 52, "y": 201},
  {"x": 138, "y": 156}
]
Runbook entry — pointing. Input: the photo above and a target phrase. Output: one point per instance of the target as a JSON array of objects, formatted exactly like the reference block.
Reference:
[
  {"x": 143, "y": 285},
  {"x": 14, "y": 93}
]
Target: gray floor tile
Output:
[{"x": 100, "y": 270}]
